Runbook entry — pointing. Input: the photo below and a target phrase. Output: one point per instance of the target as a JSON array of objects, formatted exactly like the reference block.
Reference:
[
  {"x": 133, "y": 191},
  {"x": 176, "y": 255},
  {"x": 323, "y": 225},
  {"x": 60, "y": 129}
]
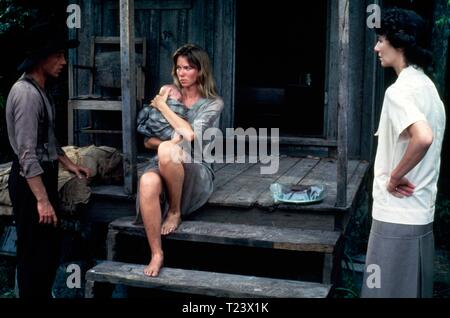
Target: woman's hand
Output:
[
  {"x": 400, "y": 188},
  {"x": 160, "y": 101}
]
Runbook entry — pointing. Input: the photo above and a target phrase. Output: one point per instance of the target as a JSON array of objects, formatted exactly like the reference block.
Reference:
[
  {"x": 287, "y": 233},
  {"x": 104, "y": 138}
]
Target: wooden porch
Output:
[{"x": 240, "y": 214}]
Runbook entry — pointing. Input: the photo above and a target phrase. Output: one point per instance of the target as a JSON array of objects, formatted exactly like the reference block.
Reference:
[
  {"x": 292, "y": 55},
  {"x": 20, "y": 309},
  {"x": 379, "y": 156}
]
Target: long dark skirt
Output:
[{"x": 399, "y": 262}]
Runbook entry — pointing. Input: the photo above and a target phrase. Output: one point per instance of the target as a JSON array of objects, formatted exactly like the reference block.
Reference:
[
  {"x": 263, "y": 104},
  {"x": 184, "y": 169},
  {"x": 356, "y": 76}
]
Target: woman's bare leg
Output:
[
  {"x": 150, "y": 187},
  {"x": 172, "y": 171}
]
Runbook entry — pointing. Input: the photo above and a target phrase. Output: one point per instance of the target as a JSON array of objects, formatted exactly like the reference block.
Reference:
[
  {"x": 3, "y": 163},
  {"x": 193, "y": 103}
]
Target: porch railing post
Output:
[
  {"x": 343, "y": 103},
  {"x": 128, "y": 83}
]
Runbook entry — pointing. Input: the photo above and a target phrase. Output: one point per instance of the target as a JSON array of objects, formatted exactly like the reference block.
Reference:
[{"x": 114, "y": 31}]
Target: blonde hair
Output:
[{"x": 198, "y": 58}]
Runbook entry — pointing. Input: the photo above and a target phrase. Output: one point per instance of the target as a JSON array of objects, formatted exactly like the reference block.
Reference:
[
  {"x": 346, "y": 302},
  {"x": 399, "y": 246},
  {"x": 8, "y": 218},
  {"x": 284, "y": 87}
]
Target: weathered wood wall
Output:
[
  {"x": 167, "y": 25},
  {"x": 211, "y": 23},
  {"x": 361, "y": 81}
]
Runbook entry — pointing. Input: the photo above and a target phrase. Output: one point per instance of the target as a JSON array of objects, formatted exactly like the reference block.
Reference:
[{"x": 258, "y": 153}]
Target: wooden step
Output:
[
  {"x": 270, "y": 237},
  {"x": 241, "y": 234},
  {"x": 201, "y": 283}
]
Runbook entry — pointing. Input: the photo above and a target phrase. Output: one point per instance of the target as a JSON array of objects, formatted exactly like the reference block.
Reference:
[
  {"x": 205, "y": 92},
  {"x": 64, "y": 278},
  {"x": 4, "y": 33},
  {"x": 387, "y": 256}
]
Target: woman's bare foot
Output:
[
  {"x": 171, "y": 223},
  {"x": 155, "y": 265}
]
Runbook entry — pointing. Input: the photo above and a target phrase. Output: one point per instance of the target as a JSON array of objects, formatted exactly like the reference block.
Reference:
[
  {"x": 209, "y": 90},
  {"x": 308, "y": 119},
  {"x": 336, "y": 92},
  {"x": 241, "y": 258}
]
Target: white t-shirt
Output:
[{"x": 412, "y": 98}]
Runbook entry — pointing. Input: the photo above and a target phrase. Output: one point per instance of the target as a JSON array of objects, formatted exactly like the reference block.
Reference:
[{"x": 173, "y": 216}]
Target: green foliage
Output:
[
  {"x": 442, "y": 222},
  {"x": 2, "y": 102},
  {"x": 444, "y": 20},
  {"x": 348, "y": 286},
  {"x": 7, "y": 272},
  {"x": 13, "y": 15}
]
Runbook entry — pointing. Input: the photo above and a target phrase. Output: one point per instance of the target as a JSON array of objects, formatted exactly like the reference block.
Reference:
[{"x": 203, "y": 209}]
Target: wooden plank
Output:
[
  {"x": 245, "y": 189},
  {"x": 357, "y": 28},
  {"x": 218, "y": 166},
  {"x": 324, "y": 173},
  {"x": 70, "y": 124},
  {"x": 357, "y": 179},
  {"x": 295, "y": 141},
  {"x": 303, "y": 219},
  {"x": 99, "y": 131},
  {"x": 222, "y": 49},
  {"x": 285, "y": 163},
  {"x": 182, "y": 27},
  {"x": 128, "y": 87},
  {"x": 244, "y": 235},
  {"x": 91, "y": 15},
  {"x": 332, "y": 184},
  {"x": 114, "y": 40},
  {"x": 344, "y": 99},
  {"x": 111, "y": 191},
  {"x": 327, "y": 270},
  {"x": 168, "y": 44},
  {"x": 204, "y": 283},
  {"x": 105, "y": 209},
  {"x": 225, "y": 175},
  {"x": 154, "y": 43},
  {"x": 81, "y": 104},
  {"x": 333, "y": 70},
  {"x": 156, "y": 5},
  {"x": 318, "y": 142},
  {"x": 196, "y": 18},
  {"x": 369, "y": 97},
  {"x": 85, "y": 33}
]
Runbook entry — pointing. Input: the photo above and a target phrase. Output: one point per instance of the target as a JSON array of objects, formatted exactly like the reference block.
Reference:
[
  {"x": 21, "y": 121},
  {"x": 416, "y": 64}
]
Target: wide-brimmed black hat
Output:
[{"x": 42, "y": 40}]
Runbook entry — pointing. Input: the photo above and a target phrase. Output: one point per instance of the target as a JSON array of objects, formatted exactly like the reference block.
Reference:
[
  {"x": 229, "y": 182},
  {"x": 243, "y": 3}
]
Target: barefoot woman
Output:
[{"x": 172, "y": 188}]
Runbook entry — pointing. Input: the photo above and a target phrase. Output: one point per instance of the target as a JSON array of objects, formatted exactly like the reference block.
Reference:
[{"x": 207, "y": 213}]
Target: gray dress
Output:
[{"x": 198, "y": 174}]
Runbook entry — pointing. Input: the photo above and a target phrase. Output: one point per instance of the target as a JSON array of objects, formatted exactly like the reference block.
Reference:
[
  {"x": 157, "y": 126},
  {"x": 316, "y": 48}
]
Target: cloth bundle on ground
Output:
[
  {"x": 104, "y": 162},
  {"x": 5, "y": 201}
]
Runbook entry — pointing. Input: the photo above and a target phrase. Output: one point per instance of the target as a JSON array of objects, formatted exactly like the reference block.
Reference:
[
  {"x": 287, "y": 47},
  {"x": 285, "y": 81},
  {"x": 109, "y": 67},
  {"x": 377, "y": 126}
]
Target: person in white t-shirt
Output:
[{"x": 400, "y": 252}]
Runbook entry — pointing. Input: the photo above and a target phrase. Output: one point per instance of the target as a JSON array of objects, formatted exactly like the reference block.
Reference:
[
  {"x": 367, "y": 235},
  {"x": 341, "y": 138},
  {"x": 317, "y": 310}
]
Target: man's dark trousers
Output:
[{"x": 38, "y": 245}]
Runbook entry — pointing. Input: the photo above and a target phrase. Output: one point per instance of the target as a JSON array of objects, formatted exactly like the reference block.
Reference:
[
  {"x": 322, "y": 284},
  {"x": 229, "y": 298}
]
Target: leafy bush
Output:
[{"x": 13, "y": 15}]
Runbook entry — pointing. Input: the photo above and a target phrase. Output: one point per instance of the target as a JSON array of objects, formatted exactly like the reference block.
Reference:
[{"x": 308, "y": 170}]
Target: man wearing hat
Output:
[{"x": 30, "y": 116}]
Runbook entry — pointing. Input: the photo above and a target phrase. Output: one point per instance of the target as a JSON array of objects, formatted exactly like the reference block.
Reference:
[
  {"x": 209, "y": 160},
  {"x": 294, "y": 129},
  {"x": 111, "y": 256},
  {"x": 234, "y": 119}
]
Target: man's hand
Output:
[
  {"x": 400, "y": 188},
  {"x": 81, "y": 172},
  {"x": 46, "y": 212}
]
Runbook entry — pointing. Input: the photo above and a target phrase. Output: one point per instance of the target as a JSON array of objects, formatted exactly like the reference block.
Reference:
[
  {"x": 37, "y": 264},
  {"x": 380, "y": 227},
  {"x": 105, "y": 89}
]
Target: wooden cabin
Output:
[{"x": 305, "y": 67}]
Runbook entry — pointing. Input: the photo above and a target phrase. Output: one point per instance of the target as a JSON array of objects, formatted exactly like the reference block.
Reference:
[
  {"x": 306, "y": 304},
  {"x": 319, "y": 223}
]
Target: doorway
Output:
[{"x": 280, "y": 66}]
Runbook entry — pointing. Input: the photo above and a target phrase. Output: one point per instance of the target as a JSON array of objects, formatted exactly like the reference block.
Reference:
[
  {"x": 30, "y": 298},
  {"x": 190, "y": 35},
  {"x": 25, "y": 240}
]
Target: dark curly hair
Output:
[{"x": 405, "y": 29}]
